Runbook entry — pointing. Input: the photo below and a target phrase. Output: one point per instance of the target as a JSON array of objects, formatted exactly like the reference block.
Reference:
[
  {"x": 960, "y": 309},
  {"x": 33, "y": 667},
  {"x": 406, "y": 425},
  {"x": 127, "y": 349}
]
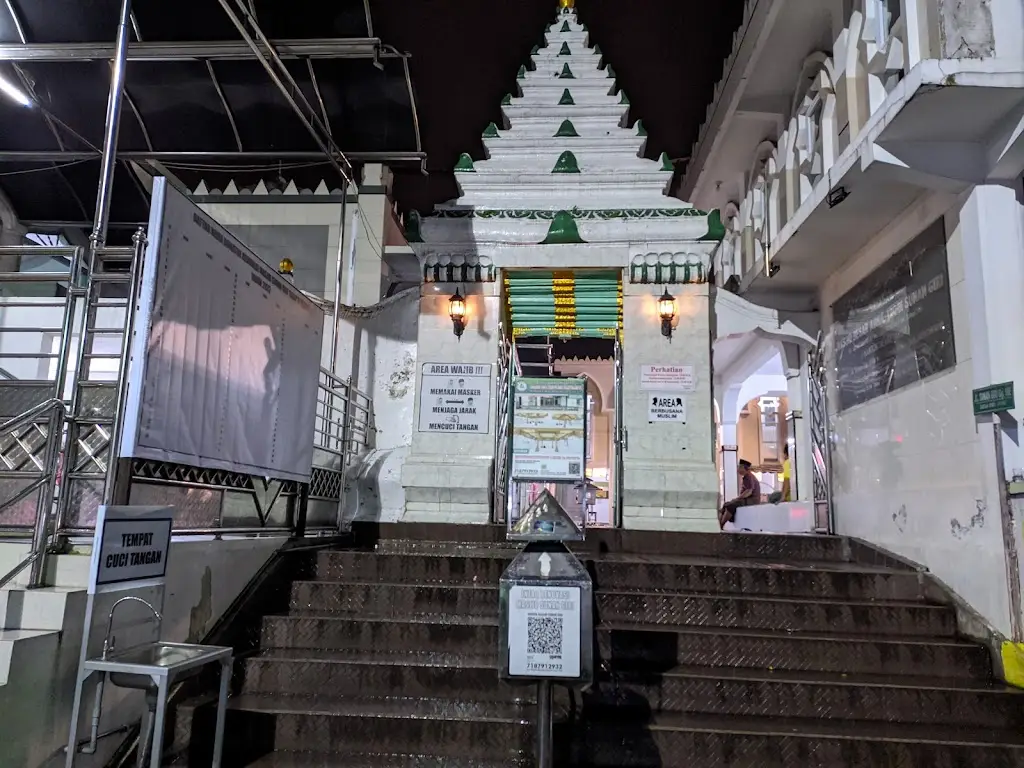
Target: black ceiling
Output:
[{"x": 464, "y": 56}]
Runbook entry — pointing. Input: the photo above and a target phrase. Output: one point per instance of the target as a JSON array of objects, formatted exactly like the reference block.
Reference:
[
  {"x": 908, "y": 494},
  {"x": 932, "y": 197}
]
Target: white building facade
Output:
[{"x": 867, "y": 157}]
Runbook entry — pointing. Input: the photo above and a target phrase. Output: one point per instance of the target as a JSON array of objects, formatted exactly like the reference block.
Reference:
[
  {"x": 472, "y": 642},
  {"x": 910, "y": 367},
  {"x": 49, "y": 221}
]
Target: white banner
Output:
[
  {"x": 455, "y": 398},
  {"x": 226, "y": 355}
]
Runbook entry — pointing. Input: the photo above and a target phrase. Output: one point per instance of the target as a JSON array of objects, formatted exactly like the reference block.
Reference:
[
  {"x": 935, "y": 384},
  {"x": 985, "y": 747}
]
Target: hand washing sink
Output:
[{"x": 135, "y": 667}]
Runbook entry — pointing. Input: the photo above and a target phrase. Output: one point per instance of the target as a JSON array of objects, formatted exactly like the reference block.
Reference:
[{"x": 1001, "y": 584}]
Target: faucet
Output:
[{"x": 108, "y": 641}]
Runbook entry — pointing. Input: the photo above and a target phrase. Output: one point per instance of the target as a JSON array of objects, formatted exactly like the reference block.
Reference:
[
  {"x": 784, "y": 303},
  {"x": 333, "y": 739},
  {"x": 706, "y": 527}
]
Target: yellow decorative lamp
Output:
[
  {"x": 566, "y": 4},
  {"x": 286, "y": 268}
]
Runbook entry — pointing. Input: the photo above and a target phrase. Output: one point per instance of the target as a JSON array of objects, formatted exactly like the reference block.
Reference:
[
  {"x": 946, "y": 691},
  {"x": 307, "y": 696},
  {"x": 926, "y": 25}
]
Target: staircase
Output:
[{"x": 712, "y": 649}]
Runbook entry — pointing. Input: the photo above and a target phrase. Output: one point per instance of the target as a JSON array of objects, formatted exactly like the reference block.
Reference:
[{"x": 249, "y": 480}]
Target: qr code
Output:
[
  {"x": 574, "y": 467},
  {"x": 544, "y": 635}
]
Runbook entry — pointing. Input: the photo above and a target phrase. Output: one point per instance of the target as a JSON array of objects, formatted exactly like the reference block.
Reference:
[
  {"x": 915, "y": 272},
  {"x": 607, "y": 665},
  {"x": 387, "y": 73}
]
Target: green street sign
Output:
[{"x": 995, "y": 398}]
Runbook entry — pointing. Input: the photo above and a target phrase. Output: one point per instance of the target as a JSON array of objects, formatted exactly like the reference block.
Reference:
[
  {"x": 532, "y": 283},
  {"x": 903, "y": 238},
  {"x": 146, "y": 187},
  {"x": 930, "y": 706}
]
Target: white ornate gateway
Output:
[{"x": 562, "y": 188}]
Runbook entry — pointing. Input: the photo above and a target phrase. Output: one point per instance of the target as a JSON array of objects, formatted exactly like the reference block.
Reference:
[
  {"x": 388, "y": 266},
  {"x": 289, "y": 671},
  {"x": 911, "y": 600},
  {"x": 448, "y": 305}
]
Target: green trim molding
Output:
[
  {"x": 566, "y": 73},
  {"x": 564, "y": 50},
  {"x": 666, "y": 162},
  {"x": 566, "y": 131},
  {"x": 640, "y": 130},
  {"x": 491, "y": 131},
  {"x": 465, "y": 164},
  {"x": 563, "y": 230},
  {"x": 566, "y": 163},
  {"x": 521, "y": 74},
  {"x": 566, "y": 100},
  {"x": 623, "y": 98},
  {"x": 506, "y": 100},
  {"x": 580, "y": 214},
  {"x": 716, "y": 229}
]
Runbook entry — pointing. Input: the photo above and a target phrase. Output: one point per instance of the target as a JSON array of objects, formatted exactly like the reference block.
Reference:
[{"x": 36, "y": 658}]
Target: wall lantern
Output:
[
  {"x": 667, "y": 312},
  {"x": 457, "y": 312}
]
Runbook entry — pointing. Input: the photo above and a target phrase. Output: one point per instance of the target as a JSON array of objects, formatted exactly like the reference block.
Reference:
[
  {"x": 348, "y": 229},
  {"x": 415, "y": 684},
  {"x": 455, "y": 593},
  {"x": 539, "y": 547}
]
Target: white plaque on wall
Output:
[
  {"x": 455, "y": 397},
  {"x": 544, "y": 631},
  {"x": 668, "y": 378},
  {"x": 666, "y": 406}
]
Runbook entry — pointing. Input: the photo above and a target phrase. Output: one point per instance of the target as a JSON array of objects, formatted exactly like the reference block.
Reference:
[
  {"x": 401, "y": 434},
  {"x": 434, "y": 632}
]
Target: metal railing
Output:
[
  {"x": 821, "y": 437},
  {"x": 64, "y": 339},
  {"x": 344, "y": 418}
]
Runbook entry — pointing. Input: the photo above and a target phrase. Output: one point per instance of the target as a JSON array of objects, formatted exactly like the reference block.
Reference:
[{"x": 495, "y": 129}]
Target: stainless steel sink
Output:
[{"x": 154, "y": 655}]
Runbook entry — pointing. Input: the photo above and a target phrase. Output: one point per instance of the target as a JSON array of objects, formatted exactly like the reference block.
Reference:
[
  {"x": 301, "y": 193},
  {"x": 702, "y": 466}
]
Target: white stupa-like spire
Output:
[
  {"x": 566, "y": 148},
  {"x": 565, "y": 142}
]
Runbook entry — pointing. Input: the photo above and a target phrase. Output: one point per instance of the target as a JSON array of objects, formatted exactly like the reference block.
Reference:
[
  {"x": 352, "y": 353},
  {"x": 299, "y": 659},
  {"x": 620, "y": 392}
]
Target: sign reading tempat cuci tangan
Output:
[
  {"x": 456, "y": 398},
  {"x": 666, "y": 406},
  {"x": 548, "y": 429},
  {"x": 668, "y": 378},
  {"x": 544, "y": 631},
  {"x": 130, "y": 545}
]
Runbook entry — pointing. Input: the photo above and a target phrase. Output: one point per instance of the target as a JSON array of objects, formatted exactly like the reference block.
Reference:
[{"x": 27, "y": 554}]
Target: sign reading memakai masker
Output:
[{"x": 455, "y": 398}]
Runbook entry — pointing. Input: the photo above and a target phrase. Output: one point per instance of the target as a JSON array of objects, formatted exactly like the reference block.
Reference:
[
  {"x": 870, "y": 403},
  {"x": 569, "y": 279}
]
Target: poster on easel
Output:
[{"x": 549, "y": 429}]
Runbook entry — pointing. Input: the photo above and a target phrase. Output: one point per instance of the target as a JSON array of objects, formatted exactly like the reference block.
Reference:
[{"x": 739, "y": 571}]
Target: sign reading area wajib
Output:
[{"x": 455, "y": 398}]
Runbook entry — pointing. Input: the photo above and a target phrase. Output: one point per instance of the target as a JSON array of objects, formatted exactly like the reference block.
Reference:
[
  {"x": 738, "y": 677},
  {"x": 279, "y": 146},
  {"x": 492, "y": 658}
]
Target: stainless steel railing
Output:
[{"x": 63, "y": 343}]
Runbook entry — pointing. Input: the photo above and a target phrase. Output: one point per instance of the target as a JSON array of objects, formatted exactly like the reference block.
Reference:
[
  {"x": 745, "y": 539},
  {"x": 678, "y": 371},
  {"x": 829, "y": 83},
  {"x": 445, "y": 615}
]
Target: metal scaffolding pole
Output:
[
  {"x": 214, "y": 50},
  {"x": 98, "y": 238},
  {"x": 197, "y": 158}
]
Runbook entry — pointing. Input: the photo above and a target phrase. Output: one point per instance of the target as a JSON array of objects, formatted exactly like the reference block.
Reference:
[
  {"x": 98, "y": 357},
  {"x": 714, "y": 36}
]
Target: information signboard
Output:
[
  {"x": 456, "y": 398},
  {"x": 995, "y": 398},
  {"x": 668, "y": 378},
  {"x": 130, "y": 545},
  {"x": 666, "y": 406},
  {"x": 544, "y": 631},
  {"x": 549, "y": 429}
]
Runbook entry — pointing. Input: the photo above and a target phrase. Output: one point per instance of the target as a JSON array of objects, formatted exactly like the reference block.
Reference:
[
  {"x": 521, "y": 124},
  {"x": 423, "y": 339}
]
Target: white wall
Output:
[
  {"x": 203, "y": 579},
  {"x": 911, "y": 470}
]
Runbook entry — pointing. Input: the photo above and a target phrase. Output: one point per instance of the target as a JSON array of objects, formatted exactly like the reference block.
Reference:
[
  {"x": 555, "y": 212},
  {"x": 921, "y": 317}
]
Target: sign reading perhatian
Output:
[
  {"x": 130, "y": 545},
  {"x": 668, "y": 378},
  {"x": 544, "y": 631},
  {"x": 666, "y": 406},
  {"x": 549, "y": 429},
  {"x": 455, "y": 398}
]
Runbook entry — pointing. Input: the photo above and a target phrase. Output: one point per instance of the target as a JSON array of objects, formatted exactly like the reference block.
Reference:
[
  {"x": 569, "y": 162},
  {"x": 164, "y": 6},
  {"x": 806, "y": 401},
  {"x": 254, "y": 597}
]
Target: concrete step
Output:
[
  {"x": 781, "y": 742},
  {"x": 708, "y": 690},
  {"x": 681, "y": 609},
  {"x": 437, "y": 728},
  {"x": 24, "y": 649},
  {"x": 409, "y": 537},
  {"x": 626, "y": 643},
  {"x": 646, "y": 573},
  {"x": 38, "y": 609}
]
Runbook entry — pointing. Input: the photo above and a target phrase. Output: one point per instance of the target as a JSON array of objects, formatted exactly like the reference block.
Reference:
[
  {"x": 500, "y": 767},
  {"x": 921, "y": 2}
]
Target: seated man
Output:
[{"x": 750, "y": 493}]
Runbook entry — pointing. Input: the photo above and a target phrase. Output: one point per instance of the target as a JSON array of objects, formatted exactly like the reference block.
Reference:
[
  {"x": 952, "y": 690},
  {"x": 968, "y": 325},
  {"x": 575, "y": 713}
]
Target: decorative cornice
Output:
[
  {"x": 602, "y": 214},
  {"x": 676, "y": 268},
  {"x": 458, "y": 268}
]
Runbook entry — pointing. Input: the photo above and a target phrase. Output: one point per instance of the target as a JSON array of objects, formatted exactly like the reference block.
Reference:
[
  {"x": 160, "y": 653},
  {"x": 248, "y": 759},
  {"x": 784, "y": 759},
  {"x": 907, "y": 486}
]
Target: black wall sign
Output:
[{"x": 896, "y": 326}]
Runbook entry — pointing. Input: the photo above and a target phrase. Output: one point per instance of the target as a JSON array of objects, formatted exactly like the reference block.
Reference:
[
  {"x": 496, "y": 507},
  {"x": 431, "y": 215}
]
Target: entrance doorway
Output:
[
  {"x": 567, "y": 325},
  {"x": 593, "y": 360}
]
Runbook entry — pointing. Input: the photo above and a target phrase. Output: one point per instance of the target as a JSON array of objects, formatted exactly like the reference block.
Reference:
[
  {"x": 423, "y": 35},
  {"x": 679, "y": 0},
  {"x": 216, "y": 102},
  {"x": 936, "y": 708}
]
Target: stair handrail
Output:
[
  {"x": 32, "y": 414},
  {"x": 56, "y": 410}
]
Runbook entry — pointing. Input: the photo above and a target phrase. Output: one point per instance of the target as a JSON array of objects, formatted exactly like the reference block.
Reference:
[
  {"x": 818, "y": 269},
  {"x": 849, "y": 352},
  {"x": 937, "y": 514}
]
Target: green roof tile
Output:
[{"x": 566, "y": 163}]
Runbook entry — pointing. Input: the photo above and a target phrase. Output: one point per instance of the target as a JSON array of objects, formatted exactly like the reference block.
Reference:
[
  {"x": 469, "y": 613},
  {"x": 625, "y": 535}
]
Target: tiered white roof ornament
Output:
[{"x": 565, "y": 168}]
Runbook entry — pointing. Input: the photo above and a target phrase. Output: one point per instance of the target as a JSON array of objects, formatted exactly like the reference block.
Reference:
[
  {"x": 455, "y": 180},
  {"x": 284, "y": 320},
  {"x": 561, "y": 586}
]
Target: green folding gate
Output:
[{"x": 564, "y": 304}]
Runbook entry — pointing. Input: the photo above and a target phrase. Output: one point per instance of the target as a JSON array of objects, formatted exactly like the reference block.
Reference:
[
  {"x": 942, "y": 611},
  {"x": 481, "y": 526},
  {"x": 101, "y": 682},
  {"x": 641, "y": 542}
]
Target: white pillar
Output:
[
  {"x": 670, "y": 481},
  {"x": 802, "y": 462},
  {"x": 730, "y": 461},
  {"x": 447, "y": 475}
]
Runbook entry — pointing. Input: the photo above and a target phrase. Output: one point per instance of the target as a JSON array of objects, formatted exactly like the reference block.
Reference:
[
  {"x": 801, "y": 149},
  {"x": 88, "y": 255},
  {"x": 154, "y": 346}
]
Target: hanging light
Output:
[
  {"x": 14, "y": 93},
  {"x": 457, "y": 312},
  {"x": 667, "y": 313}
]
